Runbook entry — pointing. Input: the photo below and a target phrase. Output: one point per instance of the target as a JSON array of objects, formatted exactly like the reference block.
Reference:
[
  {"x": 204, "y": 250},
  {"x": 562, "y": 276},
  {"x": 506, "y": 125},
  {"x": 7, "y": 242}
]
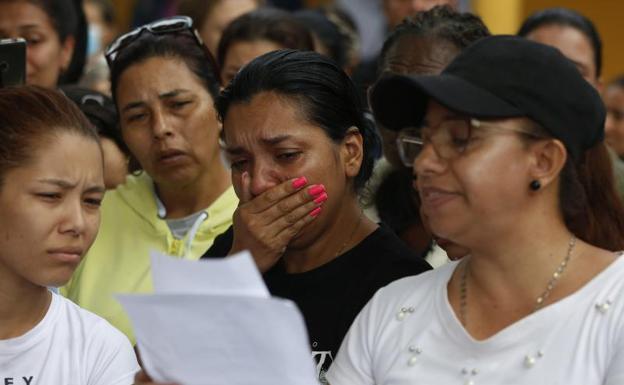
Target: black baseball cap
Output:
[{"x": 501, "y": 77}]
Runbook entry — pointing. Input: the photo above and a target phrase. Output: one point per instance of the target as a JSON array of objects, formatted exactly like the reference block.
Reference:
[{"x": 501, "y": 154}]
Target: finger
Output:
[
  {"x": 245, "y": 192},
  {"x": 289, "y": 231},
  {"x": 298, "y": 217},
  {"x": 287, "y": 205},
  {"x": 273, "y": 195}
]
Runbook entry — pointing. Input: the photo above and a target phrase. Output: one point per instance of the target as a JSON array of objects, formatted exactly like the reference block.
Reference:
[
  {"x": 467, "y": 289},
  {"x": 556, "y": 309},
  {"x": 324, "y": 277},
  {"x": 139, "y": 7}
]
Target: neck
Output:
[
  {"x": 22, "y": 305},
  {"x": 519, "y": 263},
  {"x": 348, "y": 229},
  {"x": 184, "y": 200}
]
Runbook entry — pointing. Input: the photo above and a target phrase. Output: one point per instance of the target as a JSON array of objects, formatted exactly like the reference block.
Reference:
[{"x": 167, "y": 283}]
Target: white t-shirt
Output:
[
  {"x": 70, "y": 346},
  {"x": 578, "y": 340}
]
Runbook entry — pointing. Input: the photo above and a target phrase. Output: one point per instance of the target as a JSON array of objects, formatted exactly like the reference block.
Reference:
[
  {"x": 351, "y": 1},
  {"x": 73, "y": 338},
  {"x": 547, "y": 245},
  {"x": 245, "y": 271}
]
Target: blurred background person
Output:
[
  {"x": 55, "y": 31},
  {"x": 614, "y": 127},
  {"x": 101, "y": 112},
  {"x": 102, "y": 29},
  {"x": 423, "y": 44},
  {"x": 578, "y": 39},
  {"x": 164, "y": 84},
  {"x": 335, "y": 35},
  {"x": 256, "y": 33},
  {"x": 211, "y": 17}
]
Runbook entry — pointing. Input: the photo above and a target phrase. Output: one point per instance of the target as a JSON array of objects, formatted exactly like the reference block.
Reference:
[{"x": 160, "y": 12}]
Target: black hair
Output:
[
  {"x": 67, "y": 19},
  {"x": 274, "y": 25},
  {"x": 440, "y": 22},
  {"x": 334, "y": 30},
  {"x": 569, "y": 18},
  {"x": 172, "y": 45},
  {"x": 324, "y": 92},
  {"x": 100, "y": 110}
]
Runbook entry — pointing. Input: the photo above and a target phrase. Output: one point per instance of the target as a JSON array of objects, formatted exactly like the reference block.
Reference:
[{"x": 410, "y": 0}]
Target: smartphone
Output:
[{"x": 12, "y": 62}]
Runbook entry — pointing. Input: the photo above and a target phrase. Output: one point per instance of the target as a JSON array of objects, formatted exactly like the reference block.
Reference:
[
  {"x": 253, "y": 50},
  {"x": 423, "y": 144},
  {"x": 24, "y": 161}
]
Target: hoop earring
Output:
[{"x": 535, "y": 185}]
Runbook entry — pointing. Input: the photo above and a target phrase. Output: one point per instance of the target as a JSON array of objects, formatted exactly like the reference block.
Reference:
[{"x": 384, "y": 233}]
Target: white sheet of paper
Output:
[
  {"x": 202, "y": 339},
  {"x": 234, "y": 275}
]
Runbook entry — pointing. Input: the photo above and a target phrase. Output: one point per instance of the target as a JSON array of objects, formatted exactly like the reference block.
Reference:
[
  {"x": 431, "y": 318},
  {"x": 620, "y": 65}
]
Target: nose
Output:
[
  {"x": 428, "y": 162},
  {"x": 161, "y": 125},
  {"x": 609, "y": 123},
  {"x": 74, "y": 222},
  {"x": 263, "y": 177}
]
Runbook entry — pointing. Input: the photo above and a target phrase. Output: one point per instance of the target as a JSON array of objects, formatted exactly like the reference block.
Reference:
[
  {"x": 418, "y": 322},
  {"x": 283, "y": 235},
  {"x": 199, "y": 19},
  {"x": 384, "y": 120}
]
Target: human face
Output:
[
  {"x": 220, "y": 16},
  {"x": 480, "y": 189},
  {"x": 241, "y": 53},
  {"x": 413, "y": 55},
  {"x": 168, "y": 121},
  {"x": 269, "y": 139},
  {"x": 614, "y": 125},
  {"x": 49, "y": 211},
  {"x": 397, "y": 10},
  {"x": 573, "y": 44},
  {"x": 46, "y": 55}
]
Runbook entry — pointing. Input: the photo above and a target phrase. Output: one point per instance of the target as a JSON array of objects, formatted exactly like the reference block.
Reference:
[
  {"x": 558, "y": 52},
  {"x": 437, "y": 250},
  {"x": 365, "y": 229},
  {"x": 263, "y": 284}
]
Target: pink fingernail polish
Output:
[
  {"x": 321, "y": 198},
  {"x": 316, "y": 190},
  {"x": 299, "y": 182},
  {"x": 314, "y": 213}
]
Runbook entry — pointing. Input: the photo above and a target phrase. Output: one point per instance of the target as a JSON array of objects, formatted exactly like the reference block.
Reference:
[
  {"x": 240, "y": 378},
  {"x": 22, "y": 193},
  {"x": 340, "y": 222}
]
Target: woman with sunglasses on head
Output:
[
  {"x": 510, "y": 134},
  {"x": 51, "y": 185},
  {"x": 164, "y": 85}
]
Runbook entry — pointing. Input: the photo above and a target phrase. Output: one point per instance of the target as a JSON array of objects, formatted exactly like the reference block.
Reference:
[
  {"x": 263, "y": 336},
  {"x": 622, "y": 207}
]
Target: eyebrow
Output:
[
  {"x": 272, "y": 141},
  {"x": 165, "y": 95},
  {"x": 65, "y": 185}
]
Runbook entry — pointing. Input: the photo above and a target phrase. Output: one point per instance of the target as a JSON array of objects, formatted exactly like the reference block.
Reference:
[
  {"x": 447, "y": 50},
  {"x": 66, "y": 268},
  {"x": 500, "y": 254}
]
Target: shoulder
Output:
[
  {"x": 384, "y": 250},
  {"x": 107, "y": 352}
]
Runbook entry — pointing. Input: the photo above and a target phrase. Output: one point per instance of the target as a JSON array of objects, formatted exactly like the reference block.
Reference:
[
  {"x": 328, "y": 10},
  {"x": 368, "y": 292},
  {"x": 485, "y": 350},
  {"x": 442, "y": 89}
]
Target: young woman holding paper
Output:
[{"x": 51, "y": 185}]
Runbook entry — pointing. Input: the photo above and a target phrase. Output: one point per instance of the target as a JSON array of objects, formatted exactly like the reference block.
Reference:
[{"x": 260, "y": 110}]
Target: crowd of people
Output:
[{"x": 451, "y": 212}]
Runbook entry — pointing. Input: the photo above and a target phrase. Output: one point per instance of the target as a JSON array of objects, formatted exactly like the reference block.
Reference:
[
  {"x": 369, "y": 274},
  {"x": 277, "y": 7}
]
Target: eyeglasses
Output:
[
  {"x": 174, "y": 24},
  {"x": 450, "y": 138}
]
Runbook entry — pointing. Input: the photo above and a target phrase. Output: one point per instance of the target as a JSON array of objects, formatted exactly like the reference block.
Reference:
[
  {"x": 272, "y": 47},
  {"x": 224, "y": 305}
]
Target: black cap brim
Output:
[{"x": 400, "y": 101}]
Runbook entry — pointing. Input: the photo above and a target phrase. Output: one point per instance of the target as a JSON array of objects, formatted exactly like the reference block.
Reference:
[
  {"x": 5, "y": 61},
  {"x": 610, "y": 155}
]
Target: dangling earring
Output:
[{"x": 535, "y": 185}]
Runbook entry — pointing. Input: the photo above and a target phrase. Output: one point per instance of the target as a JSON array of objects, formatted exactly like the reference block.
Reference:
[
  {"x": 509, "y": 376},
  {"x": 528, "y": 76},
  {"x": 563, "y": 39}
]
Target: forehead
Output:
[
  {"x": 572, "y": 43},
  {"x": 267, "y": 115},
  {"x": 19, "y": 14},
  {"x": 154, "y": 76},
  {"x": 421, "y": 55}
]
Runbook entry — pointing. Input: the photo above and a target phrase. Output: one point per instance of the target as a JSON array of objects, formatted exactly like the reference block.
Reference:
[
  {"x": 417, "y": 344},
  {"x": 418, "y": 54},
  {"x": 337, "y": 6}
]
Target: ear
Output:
[
  {"x": 67, "y": 50},
  {"x": 352, "y": 152},
  {"x": 549, "y": 157}
]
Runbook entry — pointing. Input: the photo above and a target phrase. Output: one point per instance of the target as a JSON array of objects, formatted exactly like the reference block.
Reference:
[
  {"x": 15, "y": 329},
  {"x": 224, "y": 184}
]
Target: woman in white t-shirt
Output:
[
  {"x": 510, "y": 163},
  {"x": 51, "y": 185}
]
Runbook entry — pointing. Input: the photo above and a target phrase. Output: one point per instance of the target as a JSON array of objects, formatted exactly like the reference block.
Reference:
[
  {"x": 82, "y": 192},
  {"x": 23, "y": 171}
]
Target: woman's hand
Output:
[
  {"x": 266, "y": 224},
  {"x": 141, "y": 378}
]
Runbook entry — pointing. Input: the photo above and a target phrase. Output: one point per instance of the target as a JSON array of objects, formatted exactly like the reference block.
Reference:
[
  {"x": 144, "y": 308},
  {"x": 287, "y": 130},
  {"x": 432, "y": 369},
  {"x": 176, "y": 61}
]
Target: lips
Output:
[
  {"x": 67, "y": 254},
  {"x": 170, "y": 156},
  {"x": 433, "y": 198}
]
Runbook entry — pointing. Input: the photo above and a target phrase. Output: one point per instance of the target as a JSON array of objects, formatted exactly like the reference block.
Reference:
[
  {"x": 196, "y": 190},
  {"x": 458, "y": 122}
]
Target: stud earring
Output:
[{"x": 535, "y": 185}]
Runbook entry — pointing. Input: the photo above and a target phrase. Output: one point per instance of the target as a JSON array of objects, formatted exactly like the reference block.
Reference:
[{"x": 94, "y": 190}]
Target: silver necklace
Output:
[{"x": 539, "y": 302}]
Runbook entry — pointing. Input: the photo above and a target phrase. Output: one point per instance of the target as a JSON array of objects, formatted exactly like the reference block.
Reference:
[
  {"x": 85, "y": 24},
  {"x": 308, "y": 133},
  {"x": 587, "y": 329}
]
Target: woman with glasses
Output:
[
  {"x": 51, "y": 187},
  {"x": 507, "y": 138},
  {"x": 164, "y": 85}
]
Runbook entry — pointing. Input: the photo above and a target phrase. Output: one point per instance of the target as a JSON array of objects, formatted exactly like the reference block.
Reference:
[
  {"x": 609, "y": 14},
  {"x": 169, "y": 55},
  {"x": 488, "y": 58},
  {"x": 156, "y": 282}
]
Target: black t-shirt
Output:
[{"x": 332, "y": 295}]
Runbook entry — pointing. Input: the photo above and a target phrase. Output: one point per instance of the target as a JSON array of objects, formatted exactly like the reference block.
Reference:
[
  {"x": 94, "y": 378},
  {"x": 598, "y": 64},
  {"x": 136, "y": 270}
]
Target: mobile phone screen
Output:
[{"x": 12, "y": 62}]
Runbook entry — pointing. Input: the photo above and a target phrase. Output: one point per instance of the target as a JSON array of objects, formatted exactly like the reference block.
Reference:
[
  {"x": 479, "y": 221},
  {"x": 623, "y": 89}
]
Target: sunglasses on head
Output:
[{"x": 169, "y": 25}]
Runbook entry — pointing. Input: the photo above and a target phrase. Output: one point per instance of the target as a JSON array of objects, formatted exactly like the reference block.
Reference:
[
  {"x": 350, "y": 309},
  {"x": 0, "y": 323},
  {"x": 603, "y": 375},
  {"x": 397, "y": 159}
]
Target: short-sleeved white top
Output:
[
  {"x": 69, "y": 346},
  {"x": 409, "y": 334}
]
